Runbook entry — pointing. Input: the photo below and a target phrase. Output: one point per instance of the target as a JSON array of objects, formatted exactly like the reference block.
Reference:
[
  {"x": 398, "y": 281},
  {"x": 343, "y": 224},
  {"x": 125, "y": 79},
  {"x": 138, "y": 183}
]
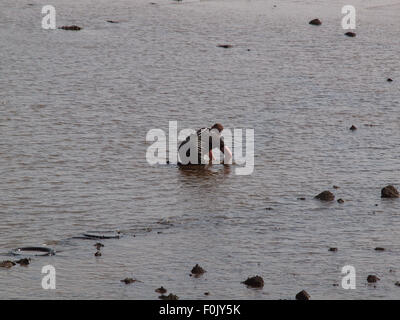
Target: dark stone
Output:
[
  {"x": 226, "y": 46},
  {"x": 325, "y": 196},
  {"x": 197, "y": 270},
  {"x": 350, "y": 34},
  {"x": 97, "y": 254},
  {"x": 7, "y": 264},
  {"x": 169, "y": 297},
  {"x": 112, "y": 21},
  {"x": 379, "y": 249},
  {"x": 315, "y": 22},
  {"x": 99, "y": 245},
  {"x": 372, "y": 279},
  {"x": 302, "y": 198},
  {"x": 389, "y": 192},
  {"x": 389, "y": 80},
  {"x": 254, "y": 282},
  {"x": 397, "y": 283},
  {"x": 353, "y": 128},
  {"x": 302, "y": 295},
  {"x": 206, "y": 293},
  {"x": 128, "y": 280},
  {"x": 161, "y": 290},
  {"x": 333, "y": 249},
  {"x": 336, "y": 187},
  {"x": 340, "y": 201},
  {"x": 73, "y": 28},
  {"x": 23, "y": 262}
]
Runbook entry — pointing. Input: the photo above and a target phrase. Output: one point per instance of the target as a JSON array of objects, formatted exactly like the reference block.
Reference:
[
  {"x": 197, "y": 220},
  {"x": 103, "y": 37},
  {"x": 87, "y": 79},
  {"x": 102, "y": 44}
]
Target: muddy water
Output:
[{"x": 75, "y": 108}]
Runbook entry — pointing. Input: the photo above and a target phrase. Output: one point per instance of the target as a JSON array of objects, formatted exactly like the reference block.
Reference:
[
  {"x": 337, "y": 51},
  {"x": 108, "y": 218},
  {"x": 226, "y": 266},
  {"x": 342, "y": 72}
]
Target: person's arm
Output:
[{"x": 211, "y": 156}]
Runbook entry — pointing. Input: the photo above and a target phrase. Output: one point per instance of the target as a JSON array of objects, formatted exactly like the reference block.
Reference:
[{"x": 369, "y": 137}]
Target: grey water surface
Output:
[{"x": 75, "y": 108}]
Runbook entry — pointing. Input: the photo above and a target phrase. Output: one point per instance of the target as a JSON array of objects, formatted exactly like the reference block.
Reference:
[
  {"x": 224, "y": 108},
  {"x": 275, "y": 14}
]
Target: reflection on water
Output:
[{"x": 75, "y": 108}]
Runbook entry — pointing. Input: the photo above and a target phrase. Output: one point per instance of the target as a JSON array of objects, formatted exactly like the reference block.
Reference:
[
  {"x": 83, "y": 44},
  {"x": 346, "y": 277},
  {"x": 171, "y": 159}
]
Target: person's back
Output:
[{"x": 196, "y": 146}]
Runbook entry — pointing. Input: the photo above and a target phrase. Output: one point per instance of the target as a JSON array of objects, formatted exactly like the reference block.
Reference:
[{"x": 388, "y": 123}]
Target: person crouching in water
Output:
[{"x": 201, "y": 143}]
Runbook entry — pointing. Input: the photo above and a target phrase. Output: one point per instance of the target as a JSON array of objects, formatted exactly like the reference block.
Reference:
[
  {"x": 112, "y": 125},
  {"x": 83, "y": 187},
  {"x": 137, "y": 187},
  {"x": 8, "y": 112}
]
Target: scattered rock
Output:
[
  {"x": 389, "y": 80},
  {"x": 302, "y": 295},
  {"x": 353, "y": 128},
  {"x": 7, "y": 264},
  {"x": 302, "y": 198},
  {"x": 97, "y": 254},
  {"x": 161, "y": 290},
  {"x": 340, "y": 201},
  {"x": 336, "y": 187},
  {"x": 325, "y": 196},
  {"x": 197, "y": 270},
  {"x": 372, "y": 278},
  {"x": 112, "y": 21},
  {"x": 99, "y": 245},
  {"x": 206, "y": 293},
  {"x": 72, "y": 28},
  {"x": 169, "y": 297},
  {"x": 379, "y": 249},
  {"x": 389, "y": 192},
  {"x": 350, "y": 34},
  {"x": 23, "y": 262},
  {"x": 254, "y": 282},
  {"x": 226, "y": 46},
  {"x": 333, "y": 249},
  {"x": 128, "y": 280},
  {"x": 315, "y": 22},
  {"x": 269, "y": 208},
  {"x": 335, "y": 285},
  {"x": 397, "y": 283}
]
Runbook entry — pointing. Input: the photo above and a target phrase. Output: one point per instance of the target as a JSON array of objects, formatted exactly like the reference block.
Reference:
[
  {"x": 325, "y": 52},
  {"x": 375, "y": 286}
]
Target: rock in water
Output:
[
  {"x": 350, "y": 34},
  {"x": 315, "y": 22},
  {"x": 128, "y": 280},
  {"x": 169, "y": 297},
  {"x": 254, "y": 282},
  {"x": 389, "y": 192},
  {"x": 198, "y": 270},
  {"x": 73, "y": 28},
  {"x": 302, "y": 295},
  {"x": 372, "y": 279},
  {"x": 333, "y": 249},
  {"x": 353, "y": 128},
  {"x": 23, "y": 262},
  {"x": 389, "y": 80},
  {"x": 7, "y": 264},
  {"x": 225, "y": 46},
  {"x": 161, "y": 290},
  {"x": 325, "y": 196}
]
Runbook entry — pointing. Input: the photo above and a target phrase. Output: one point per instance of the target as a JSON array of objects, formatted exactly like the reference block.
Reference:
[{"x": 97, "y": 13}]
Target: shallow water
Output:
[{"x": 75, "y": 108}]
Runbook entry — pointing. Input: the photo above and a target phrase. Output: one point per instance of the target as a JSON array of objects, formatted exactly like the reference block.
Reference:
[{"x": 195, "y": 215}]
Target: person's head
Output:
[{"x": 218, "y": 126}]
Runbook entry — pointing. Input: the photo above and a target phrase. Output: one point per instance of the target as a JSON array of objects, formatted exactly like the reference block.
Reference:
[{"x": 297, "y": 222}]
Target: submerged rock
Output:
[
  {"x": 169, "y": 297},
  {"x": 303, "y": 295},
  {"x": 226, "y": 46},
  {"x": 389, "y": 192},
  {"x": 333, "y": 249},
  {"x": 112, "y": 21},
  {"x": 72, "y": 28},
  {"x": 23, "y": 262},
  {"x": 389, "y": 80},
  {"x": 397, "y": 283},
  {"x": 206, "y": 293},
  {"x": 325, "y": 196},
  {"x": 254, "y": 282},
  {"x": 372, "y": 278},
  {"x": 315, "y": 22},
  {"x": 350, "y": 34},
  {"x": 99, "y": 245},
  {"x": 7, "y": 264},
  {"x": 161, "y": 290},
  {"x": 353, "y": 128},
  {"x": 128, "y": 280},
  {"x": 379, "y": 249},
  {"x": 197, "y": 270}
]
